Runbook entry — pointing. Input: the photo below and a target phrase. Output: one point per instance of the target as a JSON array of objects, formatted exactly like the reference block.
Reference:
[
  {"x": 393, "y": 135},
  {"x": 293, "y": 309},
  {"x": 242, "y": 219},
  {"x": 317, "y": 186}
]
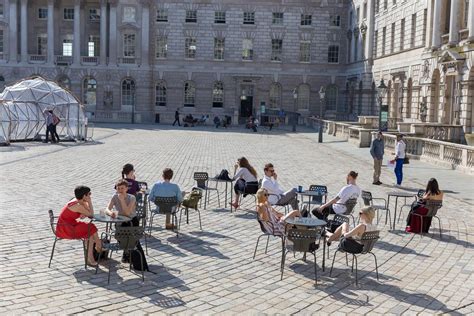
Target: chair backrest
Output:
[
  {"x": 51, "y": 221},
  {"x": 166, "y": 204},
  {"x": 433, "y": 207},
  {"x": 367, "y": 197},
  {"x": 141, "y": 209},
  {"x": 302, "y": 238},
  {"x": 191, "y": 200},
  {"x": 252, "y": 185},
  {"x": 368, "y": 240},
  {"x": 320, "y": 189},
  {"x": 350, "y": 204},
  {"x": 128, "y": 237},
  {"x": 201, "y": 178},
  {"x": 420, "y": 193},
  {"x": 142, "y": 184},
  {"x": 340, "y": 219}
]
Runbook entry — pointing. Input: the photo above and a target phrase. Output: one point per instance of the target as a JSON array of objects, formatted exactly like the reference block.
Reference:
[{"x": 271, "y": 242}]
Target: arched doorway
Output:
[{"x": 433, "y": 107}]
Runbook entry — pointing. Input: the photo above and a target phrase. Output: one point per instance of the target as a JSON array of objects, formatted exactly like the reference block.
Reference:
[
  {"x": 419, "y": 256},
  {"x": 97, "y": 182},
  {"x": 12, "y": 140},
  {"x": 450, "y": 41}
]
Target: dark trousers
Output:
[
  {"x": 50, "y": 129},
  {"x": 176, "y": 120},
  {"x": 55, "y": 133},
  {"x": 325, "y": 212}
]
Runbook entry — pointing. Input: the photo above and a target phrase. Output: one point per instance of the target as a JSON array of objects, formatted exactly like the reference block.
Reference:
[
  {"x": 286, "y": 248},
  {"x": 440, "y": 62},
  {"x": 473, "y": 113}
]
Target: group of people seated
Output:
[
  {"x": 189, "y": 120},
  {"x": 252, "y": 123},
  {"x": 225, "y": 122}
]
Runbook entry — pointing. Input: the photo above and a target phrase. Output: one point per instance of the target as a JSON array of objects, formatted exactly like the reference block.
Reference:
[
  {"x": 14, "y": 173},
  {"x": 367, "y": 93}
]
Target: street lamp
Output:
[
  {"x": 322, "y": 95},
  {"x": 383, "y": 113},
  {"x": 295, "y": 116}
]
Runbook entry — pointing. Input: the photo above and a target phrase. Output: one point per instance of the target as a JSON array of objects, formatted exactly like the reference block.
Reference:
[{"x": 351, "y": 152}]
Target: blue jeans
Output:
[{"x": 399, "y": 170}]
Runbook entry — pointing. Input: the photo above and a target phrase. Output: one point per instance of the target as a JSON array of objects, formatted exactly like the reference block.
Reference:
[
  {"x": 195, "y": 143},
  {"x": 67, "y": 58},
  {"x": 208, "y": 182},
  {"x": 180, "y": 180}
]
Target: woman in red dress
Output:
[{"x": 69, "y": 227}]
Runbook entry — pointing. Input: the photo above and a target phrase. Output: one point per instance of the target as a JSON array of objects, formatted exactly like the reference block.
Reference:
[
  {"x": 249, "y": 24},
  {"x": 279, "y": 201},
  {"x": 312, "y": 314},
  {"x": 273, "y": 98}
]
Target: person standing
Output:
[
  {"x": 56, "y": 121},
  {"x": 49, "y": 126},
  {"x": 176, "y": 118},
  {"x": 377, "y": 151},
  {"x": 400, "y": 152}
]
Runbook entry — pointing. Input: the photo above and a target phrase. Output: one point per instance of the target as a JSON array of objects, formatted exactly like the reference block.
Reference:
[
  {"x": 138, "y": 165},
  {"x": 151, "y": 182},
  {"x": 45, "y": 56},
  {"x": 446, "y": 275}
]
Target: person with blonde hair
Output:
[
  {"x": 352, "y": 237},
  {"x": 273, "y": 220}
]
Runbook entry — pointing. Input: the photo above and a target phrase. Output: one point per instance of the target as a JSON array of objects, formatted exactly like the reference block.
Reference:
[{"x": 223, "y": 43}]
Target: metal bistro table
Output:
[
  {"x": 227, "y": 182},
  {"x": 396, "y": 195},
  {"x": 309, "y": 222},
  {"x": 310, "y": 195}
]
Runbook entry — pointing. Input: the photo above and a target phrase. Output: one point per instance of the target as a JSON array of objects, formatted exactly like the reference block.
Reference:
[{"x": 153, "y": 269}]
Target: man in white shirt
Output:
[
  {"x": 400, "y": 152},
  {"x": 336, "y": 205},
  {"x": 276, "y": 193}
]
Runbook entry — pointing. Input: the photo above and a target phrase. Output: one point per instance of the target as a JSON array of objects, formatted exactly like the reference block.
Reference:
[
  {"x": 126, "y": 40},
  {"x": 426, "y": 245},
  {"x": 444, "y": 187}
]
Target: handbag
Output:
[
  {"x": 406, "y": 161},
  {"x": 224, "y": 175}
]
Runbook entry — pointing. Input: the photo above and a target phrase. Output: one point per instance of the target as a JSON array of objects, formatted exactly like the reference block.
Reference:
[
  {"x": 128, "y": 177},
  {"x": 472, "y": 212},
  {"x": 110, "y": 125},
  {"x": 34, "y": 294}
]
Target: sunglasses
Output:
[{"x": 266, "y": 194}]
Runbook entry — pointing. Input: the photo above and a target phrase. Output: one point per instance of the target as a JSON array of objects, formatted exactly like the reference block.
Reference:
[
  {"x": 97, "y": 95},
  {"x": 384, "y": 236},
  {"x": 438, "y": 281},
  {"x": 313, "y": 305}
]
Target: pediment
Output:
[
  {"x": 450, "y": 57},
  {"x": 129, "y": 26}
]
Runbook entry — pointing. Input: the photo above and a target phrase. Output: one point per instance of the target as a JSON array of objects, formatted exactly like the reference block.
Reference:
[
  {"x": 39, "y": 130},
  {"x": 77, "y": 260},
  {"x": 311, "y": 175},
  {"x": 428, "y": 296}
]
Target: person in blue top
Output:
[{"x": 166, "y": 189}]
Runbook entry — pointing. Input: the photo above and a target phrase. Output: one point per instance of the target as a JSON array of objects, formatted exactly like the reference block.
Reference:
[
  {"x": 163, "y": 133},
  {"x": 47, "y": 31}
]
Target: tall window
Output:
[
  {"x": 376, "y": 43},
  {"x": 128, "y": 45},
  {"x": 384, "y": 38},
  {"x": 42, "y": 13},
  {"x": 392, "y": 39},
  {"x": 356, "y": 48},
  {"x": 2, "y": 84},
  {"x": 191, "y": 16},
  {"x": 219, "y": 46},
  {"x": 385, "y": 4},
  {"x": 277, "y": 49},
  {"x": 219, "y": 17},
  {"x": 129, "y": 14},
  {"x": 277, "y": 18},
  {"x": 190, "y": 48},
  {"x": 128, "y": 92},
  {"x": 93, "y": 48},
  {"x": 42, "y": 44},
  {"x": 68, "y": 14},
  {"x": 218, "y": 95},
  {"x": 89, "y": 88},
  {"x": 162, "y": 15},
  {"x": 305, "y": 51},
  {"x": 303, "y": 97},
  {"x": 402, "y": 34},
  {"x": 465, "y": 14},
  {"x": 67, "y": 46},
  {"x": 358, "y": 15},
  {"x": 160, "y": 94},
  {"x": 2, "y": 48},
  {"x": 249, "y": 17},
  {"x": 189, "y": 94},
  {"x": 275, "y": 95},
  {"x": 161, "y": 46},
  {"x": 413, "y": 30},
  {"x": 425, "y": 21},
  {"x": 333, "y": 54},
  {"x": 377, "y": 6},
  {"x": 94, "y": 15},
  {"x": 364, "y": 11},
  {"x": 306, "y": 19},
  {"x": 331, "y": 98},
  {"x": 247, "y": 49},
  {"x": 335, "y": 20}
]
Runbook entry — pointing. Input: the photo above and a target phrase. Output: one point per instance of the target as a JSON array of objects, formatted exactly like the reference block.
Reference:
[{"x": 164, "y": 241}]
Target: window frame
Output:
[
  {"x": 161, "y": 52},
  {"x": 274, "y": 95},
  {"x": 249, "y": 18},
  {"x": 189, "y": 96},
  {"x": 42, "y": 10},
  {"x": 127, "y": 52},
  {"x": 189, "y": 52},
  {"x": 308, "y": 44},
  {"x": 250, "y": 55},
  {"x": 333, "y": 56},
  {"x": 219, "y": 50},
  {"x": 303, "y": 103},
  {"x": 278, "y": 20},
  {"x": 220, "y": 17},
  {"x": 335, "y": 20},
  {"x": 306, "y": 20},
  {"x": 191, "y": 16},
  {"x": 2, "y": 43},
  {"x": 66, "y": 50},
  {"x": 66, "y": 12},
  {"x": 161, "y": 98},
  {"x": 129, "y": 97},
  {"x": 163, "y": 17},
  {"x": 42, "y": 40},
  {"x": 95, "y": 39},
  {"x": 277, "y": 50},
  {"x": 218, "y": 98}
]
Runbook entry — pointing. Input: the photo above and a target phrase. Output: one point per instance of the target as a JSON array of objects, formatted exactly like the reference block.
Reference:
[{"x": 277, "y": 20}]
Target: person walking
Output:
[
  {"x": 377, "y": 151},
  {"x": 176, "y": 118},
  {"x": 400, "y": 152},
  {"x": 56, "y": 121},
  {"x": 49, "y": 126}
]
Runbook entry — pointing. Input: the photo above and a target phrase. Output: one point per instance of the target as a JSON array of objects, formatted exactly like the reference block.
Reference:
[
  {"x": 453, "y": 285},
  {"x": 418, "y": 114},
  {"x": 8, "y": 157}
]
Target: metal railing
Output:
[
  {"x": 90, "y": 60},
  {"x": 37, "y": 59}
]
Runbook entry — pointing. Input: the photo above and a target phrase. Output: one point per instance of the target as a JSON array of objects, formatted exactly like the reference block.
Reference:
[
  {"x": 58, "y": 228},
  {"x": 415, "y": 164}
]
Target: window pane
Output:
[
  {"x": 94, "y": 15},
  {"x": 275, "y": 95},
  {"x": 331, "y": 98},
  {"x": 162, "y": 15},
  {"x": 189, "y": 93},
  {"x": 42, "y": 13},
  {"x": 219, "y": 45},
  {"x": 277, "y": 18},
  {"x": 191, "y": 16},
  {"x": 42, "y": 44},
  {"x": 219, "y": 17},
  {"x": 190, "y": 48},
  {"x": 303, "y": 97},
  {"x": 277, "y": 49},
  {"x": 249, "y": 17},
  {"x": 1, "y": 44},
  {"x": 129, "y": 45},
  {"x": 160, "y": 94},
  {"x": 305, "y": 52},
  {"x": 247, "y": 49},
  {"x": 335, "y": 20},
  {"x": 128, "y": 92},
  {"x": 161, "y": 47},
  {"x": 306, "y": 19},
  {"x": 67, "y": 47},
  {"x": 218, "y": 95},
  {"x": 68, "y": 13},
  {"x": 333, "y": 54}
]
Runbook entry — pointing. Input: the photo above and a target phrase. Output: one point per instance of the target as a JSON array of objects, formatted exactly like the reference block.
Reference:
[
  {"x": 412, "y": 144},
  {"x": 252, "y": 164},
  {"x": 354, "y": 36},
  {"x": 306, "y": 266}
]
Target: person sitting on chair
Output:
[
  {"x": 274, "y": 219},
  {"x": 336, "y": 205},
  {"x": 246, "y": 177},
  {"x": 217, "y": 121},
  {"x": 277, "y": 195},
  {"x": 166, "y": 189}
]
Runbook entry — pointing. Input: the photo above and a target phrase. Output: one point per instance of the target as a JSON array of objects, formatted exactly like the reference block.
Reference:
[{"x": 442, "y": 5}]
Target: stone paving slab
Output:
[{"x": 212, "y": 272}]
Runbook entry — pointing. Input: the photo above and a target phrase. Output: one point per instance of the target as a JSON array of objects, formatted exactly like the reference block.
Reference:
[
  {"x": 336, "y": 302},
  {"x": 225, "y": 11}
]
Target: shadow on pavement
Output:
[
  {"x": 383, "y": 245},
  {"x": 197, "y": 246}
]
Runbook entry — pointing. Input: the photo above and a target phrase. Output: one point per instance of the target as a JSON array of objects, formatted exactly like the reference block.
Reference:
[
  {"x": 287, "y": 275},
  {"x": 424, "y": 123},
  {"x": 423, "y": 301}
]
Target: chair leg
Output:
[
  {"x": 355, "y": 257},
  {"x": 110, "y": 260},
  {"x": 439, "y": 223},
  {"x": 347, "y": 260},
  {"x": 256, "y": 246},
  {"x": 315, "y": 269},
  {"x": 146, "y": 245},
  {"x": 283, "y": 264},
  {"x": 332, "y": 265},
  {"x": 141, "y": 265},
  {"x": 218, "y": 198},
  {"x": 352, "y": 266},
  {"x": 376, "y": 266},
  {"x": 199, "y": 215},
  {"x": 52, "y": 251},
  {"x": 266, "y": 247},
  {"x": 98, "y": 259},
  {"x": 282, "y": 252},
  {"x": 421, "y": 226},
  {"x": 151, "y": 223}
]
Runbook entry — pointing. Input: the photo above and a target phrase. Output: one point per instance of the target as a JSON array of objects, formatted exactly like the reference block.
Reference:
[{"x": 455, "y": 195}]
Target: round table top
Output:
[
  {"x": 311, "y": 193},
  {"x": 108, "y": 219},
  {"x": 401, "y": 194},
  {"x": 306, "y": 221}
]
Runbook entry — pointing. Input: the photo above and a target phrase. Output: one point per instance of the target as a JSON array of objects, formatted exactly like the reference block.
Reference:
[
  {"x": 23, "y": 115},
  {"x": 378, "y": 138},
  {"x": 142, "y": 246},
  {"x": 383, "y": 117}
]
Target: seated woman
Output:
[
  {"x": 69, "y": 227},
  {"x": 352, "y": 237},
  {"x": 246, "y": 177},
  {"x": 432, "y": 192},
  {"x": 128, "y": 173},
  {"x": 273, "y": 220}
]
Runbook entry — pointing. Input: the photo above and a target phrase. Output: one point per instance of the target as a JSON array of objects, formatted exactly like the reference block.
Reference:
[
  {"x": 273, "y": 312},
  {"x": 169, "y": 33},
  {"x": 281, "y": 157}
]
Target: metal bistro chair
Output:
[
  {"x": 284, "y": 205},
  {"x": 318, "y": 200},
  {"x": 252, "y": 194},
  {"x": 301, "y": 240},
  {"x": 419, "y": 196},
  {"x": 433, "y": 207},
  {"x": 369, "y": 201},
  {"x": 141, "y": 210},
  {"x": 127, "y": 240},
  {"x": 337, "y": 221},
  {"x": 368, "y": 240},
  {"x": 192, "y": 202},
  {"x": 54, "y": 224},
  {"x": 165, "y": 205},
  {"x": 269, "y": 231},
  {"x": 202, "y": 179},
  {"x": 350, "y": 205}
]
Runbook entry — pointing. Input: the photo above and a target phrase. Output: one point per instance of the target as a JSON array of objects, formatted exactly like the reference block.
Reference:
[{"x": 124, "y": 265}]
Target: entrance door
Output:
[{"x": 246, "y": 101}]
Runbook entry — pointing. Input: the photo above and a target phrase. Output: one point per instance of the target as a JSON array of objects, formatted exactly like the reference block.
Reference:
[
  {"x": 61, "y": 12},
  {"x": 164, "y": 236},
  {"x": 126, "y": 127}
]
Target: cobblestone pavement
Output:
[{"x": 212, "y": 271}]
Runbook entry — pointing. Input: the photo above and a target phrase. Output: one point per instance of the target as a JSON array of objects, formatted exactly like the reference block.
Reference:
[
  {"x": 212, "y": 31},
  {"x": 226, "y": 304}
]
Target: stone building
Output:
[{"x": 140, "y": 60}]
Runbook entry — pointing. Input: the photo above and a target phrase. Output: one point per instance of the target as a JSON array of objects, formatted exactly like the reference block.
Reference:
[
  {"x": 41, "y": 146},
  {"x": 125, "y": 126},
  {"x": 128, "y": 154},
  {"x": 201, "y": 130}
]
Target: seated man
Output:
[
  {"x": 166, "y": 189},
  {"x": 217, "y": 121},
  {"x": 276, "y": 193},
  {"x": 336, "y": 205}
]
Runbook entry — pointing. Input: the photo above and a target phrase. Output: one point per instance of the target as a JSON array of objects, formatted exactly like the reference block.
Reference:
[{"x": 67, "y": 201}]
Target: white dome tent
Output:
[{"x": 22, "y": 106}]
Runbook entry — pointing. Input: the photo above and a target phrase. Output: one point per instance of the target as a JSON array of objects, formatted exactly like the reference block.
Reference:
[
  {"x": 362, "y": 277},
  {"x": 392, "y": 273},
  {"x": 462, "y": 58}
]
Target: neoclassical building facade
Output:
[{"x": 140, "y": 60}]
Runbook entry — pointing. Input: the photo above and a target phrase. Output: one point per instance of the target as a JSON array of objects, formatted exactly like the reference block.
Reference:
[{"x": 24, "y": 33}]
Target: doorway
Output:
[{"x": 246, "y": 101}]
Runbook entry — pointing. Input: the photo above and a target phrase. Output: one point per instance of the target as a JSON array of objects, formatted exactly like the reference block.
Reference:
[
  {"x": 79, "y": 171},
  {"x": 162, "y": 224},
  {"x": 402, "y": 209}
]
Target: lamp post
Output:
[
  {"x": 322, "y": 96},
  {"x": 133, "y": 107},
  {"x": 383, "y": 112},
  {"x": 295, "y": 116}
]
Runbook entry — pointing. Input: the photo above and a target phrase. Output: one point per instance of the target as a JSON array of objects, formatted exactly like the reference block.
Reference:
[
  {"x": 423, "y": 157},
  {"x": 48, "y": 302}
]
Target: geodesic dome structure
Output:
[{"x": 22, "y": 107}]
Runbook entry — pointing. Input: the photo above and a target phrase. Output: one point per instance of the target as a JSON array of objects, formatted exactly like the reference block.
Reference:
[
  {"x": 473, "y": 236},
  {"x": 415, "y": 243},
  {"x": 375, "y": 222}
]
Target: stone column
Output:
[
  {"x": 354, "y": 42},
  {"x": 113, "y": 33},
  {"x": 13, "y": 36},
  {"x": 454, "y": 23},
  {"x": 51, "y": 31},
  {"x": 24, "y": 31},
  {"x": 103, "y": 32},
  {"x": 145, "y": 32},
  {"x": 76, "y": 49},
  {"x": 436, "y": 37},
  {"x": 369, "y": 37},
  {"x": 470, "y": 21},
  {"x": 429, "y": 24}
]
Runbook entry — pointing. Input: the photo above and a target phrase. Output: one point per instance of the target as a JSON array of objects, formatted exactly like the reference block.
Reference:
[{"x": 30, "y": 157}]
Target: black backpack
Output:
[{"x": 224, "y": 175}]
